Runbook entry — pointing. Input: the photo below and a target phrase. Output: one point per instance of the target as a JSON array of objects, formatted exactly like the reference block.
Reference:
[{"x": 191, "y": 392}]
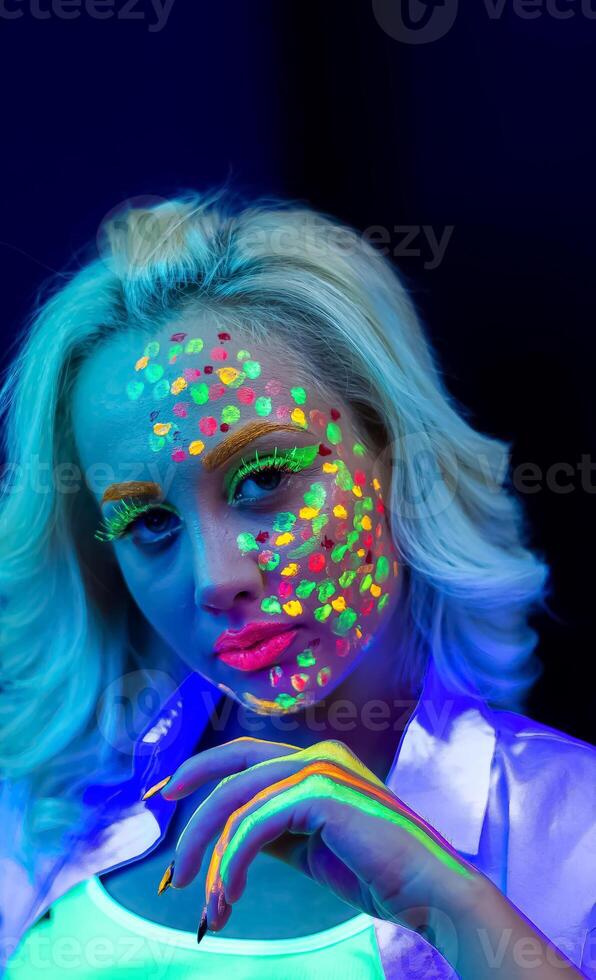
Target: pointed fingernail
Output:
[
  {"x": 155, "y": 789},
  {"x": 167, "y": 877},
  {"x": 202, "y": 925}
]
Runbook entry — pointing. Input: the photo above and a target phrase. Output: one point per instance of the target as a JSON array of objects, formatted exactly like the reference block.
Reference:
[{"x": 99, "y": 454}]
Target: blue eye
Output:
[
  {"x": 154, "y": 526},
  {"x": 258, "y": 485}
]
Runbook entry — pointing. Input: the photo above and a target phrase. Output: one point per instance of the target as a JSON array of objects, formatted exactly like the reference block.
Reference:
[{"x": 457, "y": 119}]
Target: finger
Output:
[
  {"x": 236, "y": 790},
  {"x": 220, "y": 761}
]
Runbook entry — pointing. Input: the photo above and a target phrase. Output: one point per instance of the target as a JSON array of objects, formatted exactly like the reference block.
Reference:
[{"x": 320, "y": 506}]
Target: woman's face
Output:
[{"x": 244, "y": 510}]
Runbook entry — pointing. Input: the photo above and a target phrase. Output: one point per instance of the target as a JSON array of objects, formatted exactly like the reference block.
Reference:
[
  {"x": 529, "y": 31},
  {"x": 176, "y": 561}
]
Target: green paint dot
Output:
[
  {"x": 263, "y": 405},
  {"x": 152, "y": 349},
  {"x": 153, "y": 372},
  {"x": 343, "y": 477},
  {"x": 252, "y": 369},
  {"x": 306, "y": 548},
  {"x": 162, "y": 388},
  {"x": 242, "y": 355},
  {"x": 383, "y": 601},
  {"x": 367, "y": 503},
  {"x": 246, "y": 542},
  {"x": 299, "y": 395},
  {"x": 382, "y": 569},
  {"x": 156, "y": 442},
  {"x": 333, "y": 433},
  {"x": 323, "y": 612},
  {"x": 306, "y": 659},
  {"x": 238, "y": 380},
  {"x": 352, "y": 539},
  {"x": 326, "y": 590},
  {"x": 230, "y": 413},
  {"x": 175, "y": 350},
  {"x": 366, "y": 583},
  {"x": 304, "y": 588},
  {"x": 285, "y": 700},
  {"x": 315, "y": 497},
  {"x": 338, "y": 552},
  {"x": 346, "y": 578},
  {"x": 323, "y": 676},
  {"x": 134, "y": 390},
  {"x": 345, "y": 621},
  {"x": 358, "y": 449},
  {"x": 357, "y": 522},
  {"x": 284, "y": 521},
  {"x": 319, "y": 522},
  {"x": 199, "y": 393},
  {"x": 271, "y": 605},
  {"x": 270, "y": 563},
  {"x": 194, "y": 345}
]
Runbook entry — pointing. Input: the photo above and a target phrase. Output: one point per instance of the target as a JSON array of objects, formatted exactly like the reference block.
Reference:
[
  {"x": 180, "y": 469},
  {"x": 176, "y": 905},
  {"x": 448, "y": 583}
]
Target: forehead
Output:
[{"x": 173, "y": 394}]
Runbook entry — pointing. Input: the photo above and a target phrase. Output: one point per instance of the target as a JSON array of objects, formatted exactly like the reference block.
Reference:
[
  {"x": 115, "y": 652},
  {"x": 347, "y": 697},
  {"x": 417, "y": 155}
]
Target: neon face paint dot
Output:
[
  {"x": 360, "y": 478},
  {"x": 306, "y": 659},
  {"x": 346, "y": 578},
  {"x": 191, "y": 374},
  {"x": 375, "y": 590},
  {"x": 338, "y": 552},
  {"x": 161, "y": 389},
  {"x": 365, "y": 583},
  {"x": 152, "y": 349},
  {"x": 307, "y": 513},
  {"x": 304, "y": 549},
  {"x": 298, "y": 417},
  {"x": 322, "y": 613},
  {"x": 376, "y": 484},
  {"x": 156, "y": 442},
  {"x": 345, "y": 621},
  {"x": 174, "y": 351},
  {"x": 134, "y": 390},
  {"x": 299, "y": 395},
  {"x": 245, "y": 396},
  {"x": 383, "y": 601},
  {"x": 178, "y": 455},
  {"x": 273, "y": 387},
  {"x": 292, "y": 608},
  {"x": 252, "y": 369},
  {"x": 382, "y": 569},
  {"x": 325, "y": 590},
  {"x": 199, "y": 393},
  {"x": 290, "y": 570},
  {"x": 284, "y": 589},
  {"x": 162, "y": 428},
  {"x": 319, "y": 522},
  {"x": 324, "y": 450},
  {"x": 208, "y": 425},
  {"x": 275, "y": 675},
  {"x": 282, "y": 412},
  {"x": 285, "y": 700},
  {"x": 333, "y": 433},
  {"x": 358, "y": 449},
  {"x": 284, "y": 521},
  {"x": 218, "y": 354},
  {"x": 194, "y": 345},
  {"x": 316, "y": 563},
  {"x": 342, "y": 647},
  {"x": 153, "y": 372},
  {"x": 246, "y": 542},
  {"x": 268, "y": 560},
  {"x": 315, "y": 496},
  {"x": 284, "y": 538},
  {"x": 323, "y": 676},
  {"x": 271, "y": 605},
  {"x": 339, "y": 604},
  {"x": 330, "y": 467},
  {"x": 178, "y": 385},
  {"x": 304, "y": 589},
  {"x": 216, "y": 391},
  {"x": 230, "y": 413},
  {"x": 181, "y": 410},
  {"x": 263, "y": 406},
  {"x": 242, "y": 355},
  {"x": 340, "y": 511},
  {"x": 299, "y": 681},
  {"x": 228, "y": 375},
  {"x": 196, "y": 447},
  {"x": 141, "y": 363}
]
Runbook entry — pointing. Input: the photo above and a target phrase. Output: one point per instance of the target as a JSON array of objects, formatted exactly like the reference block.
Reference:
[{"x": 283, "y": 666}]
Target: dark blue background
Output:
[{"x": 489, "y": 129}]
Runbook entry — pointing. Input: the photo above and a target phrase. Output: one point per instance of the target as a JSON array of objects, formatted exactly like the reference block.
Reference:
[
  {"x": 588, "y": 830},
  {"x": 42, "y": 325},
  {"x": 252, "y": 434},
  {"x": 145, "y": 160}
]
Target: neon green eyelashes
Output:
[
  {"x": 284, "y": 461},
  {"x": 125, "y": 514}
]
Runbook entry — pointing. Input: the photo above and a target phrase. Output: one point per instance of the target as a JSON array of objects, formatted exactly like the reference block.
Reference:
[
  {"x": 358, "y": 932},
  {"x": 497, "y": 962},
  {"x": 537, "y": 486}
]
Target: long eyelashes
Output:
[
  {"x": 125, "y": 513},
  {"x": 286, "y": 461}
]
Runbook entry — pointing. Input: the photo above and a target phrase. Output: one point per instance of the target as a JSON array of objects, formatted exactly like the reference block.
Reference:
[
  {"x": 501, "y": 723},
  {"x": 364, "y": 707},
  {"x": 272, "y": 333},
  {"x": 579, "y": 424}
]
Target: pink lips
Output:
[{"x": 255, "y": 646}]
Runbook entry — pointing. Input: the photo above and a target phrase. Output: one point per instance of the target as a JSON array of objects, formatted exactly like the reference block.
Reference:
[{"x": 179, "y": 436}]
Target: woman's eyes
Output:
[
  {"x": 154, "y": 526},
  {"x": 258, "y": 485}
]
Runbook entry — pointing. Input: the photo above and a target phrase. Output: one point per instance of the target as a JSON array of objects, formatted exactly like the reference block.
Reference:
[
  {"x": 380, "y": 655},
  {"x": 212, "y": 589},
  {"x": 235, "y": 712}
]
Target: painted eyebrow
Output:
[{"x": 211, "y": 461}]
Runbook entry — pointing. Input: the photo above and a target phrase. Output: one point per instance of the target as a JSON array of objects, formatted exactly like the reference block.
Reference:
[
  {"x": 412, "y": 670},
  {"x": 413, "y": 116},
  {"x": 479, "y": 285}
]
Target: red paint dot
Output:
[
  {"x": 216, "y": 391},
  {"x": 368, "y": 558},
  {"x": 380, "y": 507},
  {"x": 327, "y": 542},
  {"x": 341, "y": 529},
  {"x": 208, "y": 369},
  {"x": 224, "y": 427},
  {"x": 324, "y": 450},
  {"x": 219, "y": 354},
  {"x": 262, "y": 536},
  {"x": 368, "y": 607},
  {"x": 208, "y": 425},
  {"x": 224, "y": 336},
  {"x": 334, "y": 414},
  {"x": 316, "y": 562},
  {"x": 367, "y": 540},
  {"x": 178, "y": 455},
  {"x": 282, "y": 412},
  {"x": 245, "y": 396},
  {"x": 359, "y": 477}
]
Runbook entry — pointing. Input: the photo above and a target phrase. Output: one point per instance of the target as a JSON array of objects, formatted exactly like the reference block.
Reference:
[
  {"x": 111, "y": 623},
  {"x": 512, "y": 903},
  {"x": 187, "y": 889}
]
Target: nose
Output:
[{"x": 226, "y": 580}]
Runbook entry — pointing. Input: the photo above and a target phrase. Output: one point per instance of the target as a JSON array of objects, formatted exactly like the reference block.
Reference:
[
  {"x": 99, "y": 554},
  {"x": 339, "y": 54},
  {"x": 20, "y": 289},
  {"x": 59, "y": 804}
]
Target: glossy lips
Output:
[{"x": 254, "y": 647}]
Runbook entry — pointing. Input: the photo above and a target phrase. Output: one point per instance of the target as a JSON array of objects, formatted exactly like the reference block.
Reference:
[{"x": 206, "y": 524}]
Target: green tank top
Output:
[{"x": 89, "y": 934}]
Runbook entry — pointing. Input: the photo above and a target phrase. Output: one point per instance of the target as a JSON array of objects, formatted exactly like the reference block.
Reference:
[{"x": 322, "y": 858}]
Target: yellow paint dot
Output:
[
  {"x": 227, "y": 375},
  {"x": 292, "y": 569},
  {"x": 376, "y": 484},
  {"x": 366, "y": 523},
  {"x": 356, "y": 490},
  {"x": 329, "y": 467},
  {"x": 339, "y": 604},
  {"x": 141, "y": 363},
  {"x": 358, "y": 632},
  {"x": 178, "y": 385},
  {"x": 375, "y": 590},
  {"x": 292, "y": 608},
  {"x": 162, "y": 428},
  {"x": 307, "y": 513},
  {"x": 196, "y": 447},
  {"x": 284, "y": 538},
  {"x": 361, "y": 552},
  {"x": 298, "y": 417},
  {"x": 339, "y": 511}
]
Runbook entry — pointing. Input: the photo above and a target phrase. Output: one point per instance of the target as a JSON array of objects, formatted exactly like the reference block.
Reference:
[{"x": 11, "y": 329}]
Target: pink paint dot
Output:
[
  {"x": 216, "y": 391},
  {"x": 341, "y": 529},
  {"x": 178, "y": 455},
  {"x": 316, "y": 562},
  {"x": 305, "y": 534},
  {"x": 219, "y": 354},
  {"x": 282, "y": 412},
  {"x": 191, "y": 374},
  {"x": 273, "y": 387},
  {"x": 317, "y": 418},
  {"x": 245, "y": 396},
  {"x": 360, "y": 477},
  {"x": 342, "y": 647},
  {"x": 284, "y": 590},
  {"x": 181, "y": 409},
  {"x": 208, "y": 425}
]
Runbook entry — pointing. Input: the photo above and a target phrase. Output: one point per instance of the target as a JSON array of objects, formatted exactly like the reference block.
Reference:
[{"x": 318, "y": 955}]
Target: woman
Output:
[{"x": 233, "y": 472}]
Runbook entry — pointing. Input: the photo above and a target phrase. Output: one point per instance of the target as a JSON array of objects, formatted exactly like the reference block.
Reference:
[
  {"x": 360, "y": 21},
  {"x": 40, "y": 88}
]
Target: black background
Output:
[{"x": 488, "y": 130}]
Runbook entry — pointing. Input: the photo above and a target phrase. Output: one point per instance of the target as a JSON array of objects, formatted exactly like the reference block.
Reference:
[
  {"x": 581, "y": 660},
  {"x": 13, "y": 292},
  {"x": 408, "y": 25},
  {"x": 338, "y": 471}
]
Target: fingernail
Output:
[
  {"x": 167, "y": 877},
  {"x": 202, "y": 925},
  {"x": 155, "y": 789}
]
